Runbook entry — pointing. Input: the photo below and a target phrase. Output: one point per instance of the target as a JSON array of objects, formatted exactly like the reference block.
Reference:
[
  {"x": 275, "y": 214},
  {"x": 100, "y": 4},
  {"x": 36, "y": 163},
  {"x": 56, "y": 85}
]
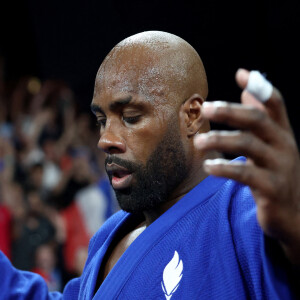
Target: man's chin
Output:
[
  {"x": 137, "y": 203},
  {"x": 130, "y": 204}
]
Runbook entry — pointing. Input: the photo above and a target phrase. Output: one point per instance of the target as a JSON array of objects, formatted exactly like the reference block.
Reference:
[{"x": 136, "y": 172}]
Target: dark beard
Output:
[{"x": 164, "y": 171}]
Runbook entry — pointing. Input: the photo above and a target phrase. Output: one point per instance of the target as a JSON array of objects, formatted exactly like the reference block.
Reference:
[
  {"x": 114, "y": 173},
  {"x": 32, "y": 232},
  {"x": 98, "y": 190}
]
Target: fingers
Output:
[
  {"x": 274, "y": 105},
  {"x": 246, "y": 173},
  {"x": 277, "y": 110},
  {"x": 244, "y": 117},
  {"x": 264, "y": 136},
  {"x": 237, "y": 142}
]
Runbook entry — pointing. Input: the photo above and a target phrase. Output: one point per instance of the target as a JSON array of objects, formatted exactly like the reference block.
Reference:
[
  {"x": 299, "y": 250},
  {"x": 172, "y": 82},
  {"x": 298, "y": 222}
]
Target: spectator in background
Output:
[
  {"x": 51, "y": 174},
  {"x": 5, "y": 229},
  {"x": 33, "y": 230},
  {"x": 46, "y": 266}
]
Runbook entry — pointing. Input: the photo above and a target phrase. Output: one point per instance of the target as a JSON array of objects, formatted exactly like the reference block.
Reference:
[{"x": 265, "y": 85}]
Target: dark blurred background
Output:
[{"x": 51, "y": 172}]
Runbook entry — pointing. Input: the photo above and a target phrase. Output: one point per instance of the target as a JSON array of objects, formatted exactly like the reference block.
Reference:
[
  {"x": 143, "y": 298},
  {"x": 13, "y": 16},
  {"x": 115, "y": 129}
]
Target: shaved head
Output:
[
  {"x": 148, "y": 98},
  {"x": 164, "y": 65}
]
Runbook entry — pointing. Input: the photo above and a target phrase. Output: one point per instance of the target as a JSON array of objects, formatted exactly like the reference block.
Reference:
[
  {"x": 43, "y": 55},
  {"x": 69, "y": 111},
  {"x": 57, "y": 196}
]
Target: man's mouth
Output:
[{"x": 120, "y": 177}]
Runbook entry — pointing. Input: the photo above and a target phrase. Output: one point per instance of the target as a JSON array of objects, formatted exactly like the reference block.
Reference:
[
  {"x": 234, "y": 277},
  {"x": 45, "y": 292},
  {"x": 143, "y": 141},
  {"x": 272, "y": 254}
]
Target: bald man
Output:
[{"x": 182, "y": 233}]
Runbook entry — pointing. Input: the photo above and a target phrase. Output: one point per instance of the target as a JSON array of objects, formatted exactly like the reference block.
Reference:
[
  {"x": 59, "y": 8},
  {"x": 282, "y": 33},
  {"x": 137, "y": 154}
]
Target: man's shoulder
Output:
[{"x": 228, "y": 193}]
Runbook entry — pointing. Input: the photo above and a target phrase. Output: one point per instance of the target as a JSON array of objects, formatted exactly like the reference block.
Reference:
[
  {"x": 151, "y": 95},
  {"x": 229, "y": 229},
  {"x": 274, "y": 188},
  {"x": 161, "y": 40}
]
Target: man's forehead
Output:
[
  {"x": 131, "y": 61},
  {"x": 124, "y": 80},
  {"x": 144, "y": 79}
]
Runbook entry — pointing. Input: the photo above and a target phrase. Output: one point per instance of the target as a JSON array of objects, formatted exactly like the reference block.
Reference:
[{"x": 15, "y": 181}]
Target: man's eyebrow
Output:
[
  {"x": 112, "y": 106},
  {"x": 119, "y": 103},
  {"x": 96, "y": 109}
]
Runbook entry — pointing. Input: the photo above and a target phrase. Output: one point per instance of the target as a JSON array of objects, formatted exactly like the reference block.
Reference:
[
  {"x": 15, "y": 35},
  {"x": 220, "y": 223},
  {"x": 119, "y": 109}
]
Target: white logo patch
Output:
[{"x": 171, "y": 276}]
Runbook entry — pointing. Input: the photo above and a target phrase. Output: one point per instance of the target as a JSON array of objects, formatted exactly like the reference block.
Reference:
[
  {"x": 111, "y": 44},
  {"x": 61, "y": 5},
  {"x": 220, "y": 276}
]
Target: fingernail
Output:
[
  {"x": 242, "y": 74},
  {"x": 200, "y": 140},
  {"x": 210, "y": 164},
  {"x": 206, "y": 168},
  {"x": 217, "y": 161},
  {"x": 208, "y": 109}
]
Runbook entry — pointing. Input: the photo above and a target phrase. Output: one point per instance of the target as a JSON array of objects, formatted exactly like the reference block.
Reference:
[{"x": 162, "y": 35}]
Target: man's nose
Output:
[{"x": 111, "y": 141}]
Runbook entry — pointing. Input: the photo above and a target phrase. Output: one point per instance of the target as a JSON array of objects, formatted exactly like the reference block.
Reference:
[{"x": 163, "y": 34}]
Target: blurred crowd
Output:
[{"x": 54, "y": 193}]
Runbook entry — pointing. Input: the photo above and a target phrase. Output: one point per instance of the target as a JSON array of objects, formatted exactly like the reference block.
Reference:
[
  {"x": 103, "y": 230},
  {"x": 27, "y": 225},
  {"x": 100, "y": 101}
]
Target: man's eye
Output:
[
  {"x": 131, "y": 120},
  {"x": 101, "y": 122}
]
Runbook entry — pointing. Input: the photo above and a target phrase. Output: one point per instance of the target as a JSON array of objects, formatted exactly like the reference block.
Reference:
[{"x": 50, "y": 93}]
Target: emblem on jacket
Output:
[{"x": 172, "y": 275}]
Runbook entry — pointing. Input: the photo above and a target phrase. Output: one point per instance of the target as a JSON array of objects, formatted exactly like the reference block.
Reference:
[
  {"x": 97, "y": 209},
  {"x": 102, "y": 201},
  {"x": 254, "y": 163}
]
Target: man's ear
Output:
[{"x": 192, "y": 114}]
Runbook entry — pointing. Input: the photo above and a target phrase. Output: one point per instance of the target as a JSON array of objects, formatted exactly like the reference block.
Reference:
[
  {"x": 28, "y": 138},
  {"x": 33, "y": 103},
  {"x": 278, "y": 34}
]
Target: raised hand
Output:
[{"x": 272, "y": 170}]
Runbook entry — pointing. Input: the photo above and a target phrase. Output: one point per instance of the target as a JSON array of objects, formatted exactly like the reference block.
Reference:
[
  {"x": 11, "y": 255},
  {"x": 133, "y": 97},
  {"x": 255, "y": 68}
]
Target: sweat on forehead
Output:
[{"x": 153, "y": 62}]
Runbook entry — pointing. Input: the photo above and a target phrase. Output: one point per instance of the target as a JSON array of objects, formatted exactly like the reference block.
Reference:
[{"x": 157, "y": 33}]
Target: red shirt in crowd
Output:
[{"x": 5, "y": 231}]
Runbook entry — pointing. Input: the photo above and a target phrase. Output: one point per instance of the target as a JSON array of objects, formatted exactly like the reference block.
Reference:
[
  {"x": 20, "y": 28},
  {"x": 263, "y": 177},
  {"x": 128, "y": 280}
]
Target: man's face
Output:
[{"x": 140, "y": 134}]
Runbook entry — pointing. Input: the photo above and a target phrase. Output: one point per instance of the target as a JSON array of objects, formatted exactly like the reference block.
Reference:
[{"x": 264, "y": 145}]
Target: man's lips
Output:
[{"x": 120, "y": 177}]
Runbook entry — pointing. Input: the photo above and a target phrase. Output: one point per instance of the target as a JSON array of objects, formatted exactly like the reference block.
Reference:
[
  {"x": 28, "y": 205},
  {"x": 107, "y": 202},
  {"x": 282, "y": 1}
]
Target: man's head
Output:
[{"x": 147, "y": 99}]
